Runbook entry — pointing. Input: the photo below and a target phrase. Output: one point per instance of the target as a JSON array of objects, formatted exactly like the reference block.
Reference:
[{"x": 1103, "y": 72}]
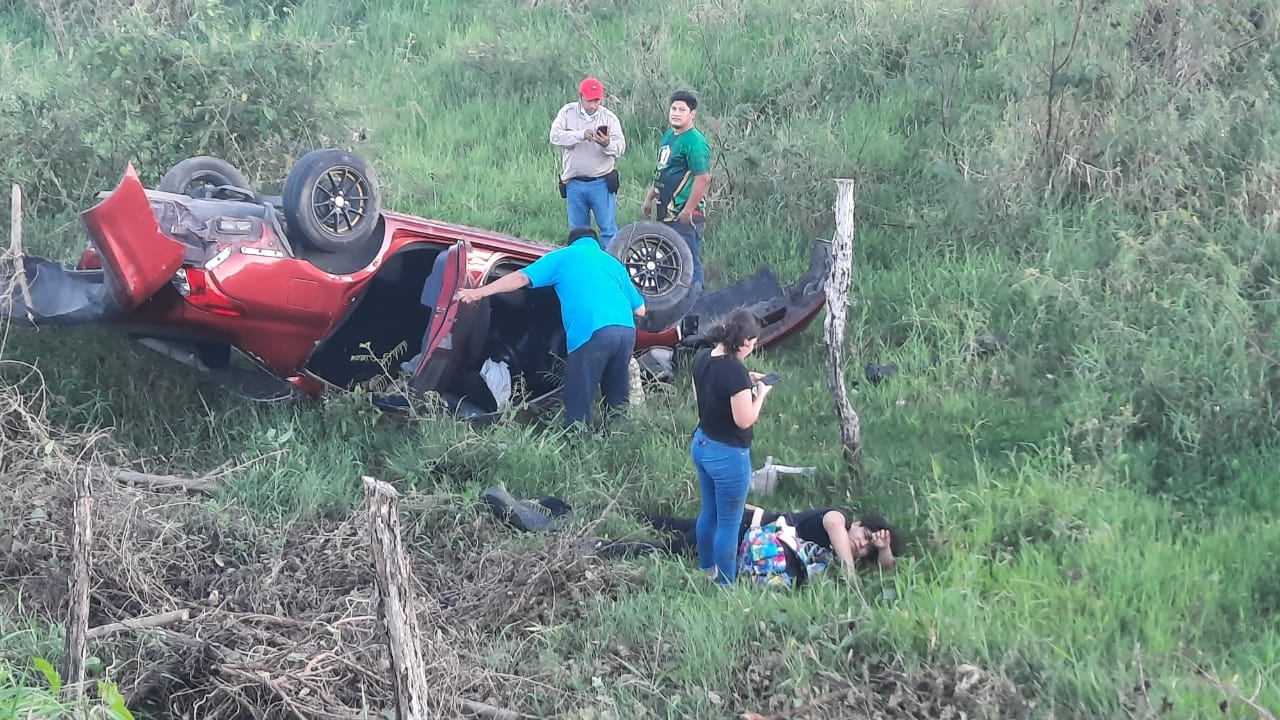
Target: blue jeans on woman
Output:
[{"x": 724, "y": 477}]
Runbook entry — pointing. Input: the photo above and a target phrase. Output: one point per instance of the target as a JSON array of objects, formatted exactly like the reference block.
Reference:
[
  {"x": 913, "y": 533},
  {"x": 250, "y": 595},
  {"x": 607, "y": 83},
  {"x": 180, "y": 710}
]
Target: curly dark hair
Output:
[
  {"x": 734, "y": 330},
  {"x": 875, "y": 523}
]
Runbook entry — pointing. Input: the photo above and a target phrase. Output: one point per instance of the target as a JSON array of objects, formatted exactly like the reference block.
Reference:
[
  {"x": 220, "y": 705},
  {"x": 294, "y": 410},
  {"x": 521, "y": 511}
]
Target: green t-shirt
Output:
[{"x": 680, "y": 157}]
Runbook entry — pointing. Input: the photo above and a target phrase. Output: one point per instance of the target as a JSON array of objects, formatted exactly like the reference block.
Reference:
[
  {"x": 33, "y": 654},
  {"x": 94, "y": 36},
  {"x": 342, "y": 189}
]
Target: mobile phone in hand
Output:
[
  {"x": 602, "y": 130},
  {"x": 770, "y": 379}
]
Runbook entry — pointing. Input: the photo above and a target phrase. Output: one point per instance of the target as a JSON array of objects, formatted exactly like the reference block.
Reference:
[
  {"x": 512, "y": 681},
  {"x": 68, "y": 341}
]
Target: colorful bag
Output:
[{"x": 772, "y": 554}]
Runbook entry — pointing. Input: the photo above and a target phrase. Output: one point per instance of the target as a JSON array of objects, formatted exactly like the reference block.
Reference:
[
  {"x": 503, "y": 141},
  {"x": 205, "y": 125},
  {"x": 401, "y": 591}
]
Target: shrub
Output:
[{"x": 144, "y": 92}]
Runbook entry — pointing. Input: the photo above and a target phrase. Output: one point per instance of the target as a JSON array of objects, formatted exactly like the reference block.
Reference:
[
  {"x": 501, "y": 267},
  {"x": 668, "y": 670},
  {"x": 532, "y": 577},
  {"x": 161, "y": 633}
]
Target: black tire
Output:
[
  {"x": 660, "y": 264},
  {"x": 332, "y": 201},
  {"x": 197, "y": 176}
]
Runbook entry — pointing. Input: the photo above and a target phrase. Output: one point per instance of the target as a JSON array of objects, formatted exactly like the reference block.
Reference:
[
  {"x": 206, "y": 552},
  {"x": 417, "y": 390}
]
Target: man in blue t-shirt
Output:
[{"x": 598, "y": 305}]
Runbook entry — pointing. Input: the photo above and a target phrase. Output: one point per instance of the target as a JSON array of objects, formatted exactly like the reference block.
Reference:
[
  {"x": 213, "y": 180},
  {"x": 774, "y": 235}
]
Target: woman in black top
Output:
[
  {"x": 729, "y": 400},
  {"x": 866, "y": 541}
]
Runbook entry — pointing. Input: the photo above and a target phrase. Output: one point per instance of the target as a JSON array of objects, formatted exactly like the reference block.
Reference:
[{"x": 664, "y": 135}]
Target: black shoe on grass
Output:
[{"x": 520, "y": 514}]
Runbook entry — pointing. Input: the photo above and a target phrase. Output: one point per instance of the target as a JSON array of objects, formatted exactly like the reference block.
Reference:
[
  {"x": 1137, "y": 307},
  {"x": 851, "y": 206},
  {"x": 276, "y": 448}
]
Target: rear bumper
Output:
[{"x": 782, "y": 311}]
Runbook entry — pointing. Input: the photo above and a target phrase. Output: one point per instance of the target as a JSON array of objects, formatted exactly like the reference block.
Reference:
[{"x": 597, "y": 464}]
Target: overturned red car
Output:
[{"x": 311, "y": 284}]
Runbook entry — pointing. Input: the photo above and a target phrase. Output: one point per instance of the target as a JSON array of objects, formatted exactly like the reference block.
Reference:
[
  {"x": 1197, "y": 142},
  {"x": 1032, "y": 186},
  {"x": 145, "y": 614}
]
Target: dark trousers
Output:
[
  {"x": 692, "y": 235},
  {"x": 678, "y": 536},
  {"x": 603, "y": 362}
]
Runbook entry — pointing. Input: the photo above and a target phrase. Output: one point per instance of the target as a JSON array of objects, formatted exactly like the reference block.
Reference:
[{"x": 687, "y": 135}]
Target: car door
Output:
[
  {"x": 137, "y": 258},
  {"x": 451, "y": 331}
]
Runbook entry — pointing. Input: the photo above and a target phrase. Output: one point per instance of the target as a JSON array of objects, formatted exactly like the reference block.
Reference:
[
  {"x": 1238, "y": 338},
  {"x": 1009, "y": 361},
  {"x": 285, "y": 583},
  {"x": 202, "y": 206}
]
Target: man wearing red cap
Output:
[{"x": 590, "y": 138}]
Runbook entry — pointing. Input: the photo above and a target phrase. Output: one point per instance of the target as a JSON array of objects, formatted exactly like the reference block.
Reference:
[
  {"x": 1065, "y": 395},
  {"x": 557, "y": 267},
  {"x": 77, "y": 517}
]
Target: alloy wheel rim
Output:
[
  {"x": 340, "y": 200},
  {"x": 653, "y": 264}
]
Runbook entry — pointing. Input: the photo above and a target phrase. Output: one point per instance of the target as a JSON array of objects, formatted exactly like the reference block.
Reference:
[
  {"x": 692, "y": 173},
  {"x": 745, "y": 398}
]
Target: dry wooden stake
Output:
[
  {"x": 15, "y": 245},
  {"x": 78, "y": 620},
  {"x": 396, "y": 606},
  {"x": 839, "y": 276}
]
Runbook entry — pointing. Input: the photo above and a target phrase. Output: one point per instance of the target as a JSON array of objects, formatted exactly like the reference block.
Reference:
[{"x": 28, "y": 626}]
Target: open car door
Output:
[
  {"x": 453, "y": 324},
  {"x": 137, "y": 259}
]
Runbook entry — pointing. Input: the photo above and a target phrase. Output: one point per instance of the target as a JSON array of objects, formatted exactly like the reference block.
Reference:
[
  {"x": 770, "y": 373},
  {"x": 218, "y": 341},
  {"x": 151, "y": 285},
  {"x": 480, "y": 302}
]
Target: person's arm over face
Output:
[{"x": 881, "y": 541}]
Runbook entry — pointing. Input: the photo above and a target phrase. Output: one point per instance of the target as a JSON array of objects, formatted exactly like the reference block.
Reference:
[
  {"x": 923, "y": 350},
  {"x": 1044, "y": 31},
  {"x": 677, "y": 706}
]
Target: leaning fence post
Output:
[
  {"x": 395, "y": 600},
  {"x": 839, "y": 275},
  {"x": 15, "y": 246}
]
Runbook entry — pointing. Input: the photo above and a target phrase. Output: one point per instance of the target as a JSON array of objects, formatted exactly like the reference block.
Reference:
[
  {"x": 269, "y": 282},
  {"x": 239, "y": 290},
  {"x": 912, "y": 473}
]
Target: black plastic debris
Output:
[
  {"x": 877, "y": 373},
  {"x": 985, "y": 345}
]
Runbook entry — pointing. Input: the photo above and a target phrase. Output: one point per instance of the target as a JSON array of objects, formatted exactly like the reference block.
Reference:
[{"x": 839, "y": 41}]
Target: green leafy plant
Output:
[{"x": 22, "y": 699}]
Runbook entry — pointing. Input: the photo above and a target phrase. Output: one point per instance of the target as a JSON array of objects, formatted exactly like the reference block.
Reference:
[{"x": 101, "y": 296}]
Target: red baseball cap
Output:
[{"x": 591, "y": 89}]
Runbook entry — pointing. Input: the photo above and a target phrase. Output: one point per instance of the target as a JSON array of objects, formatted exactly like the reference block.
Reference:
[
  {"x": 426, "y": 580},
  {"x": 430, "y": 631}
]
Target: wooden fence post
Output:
[
  {"x": 395, "y": 600},
  {"x": 839, "y": 276},
  {"x": 78, "y": 597}
]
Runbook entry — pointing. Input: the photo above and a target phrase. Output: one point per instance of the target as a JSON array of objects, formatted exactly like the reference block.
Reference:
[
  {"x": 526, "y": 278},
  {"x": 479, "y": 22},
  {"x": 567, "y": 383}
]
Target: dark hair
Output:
[
  {"x": 875, "y": 523},
  {"x": 580, "y": 232},
  {"x": 686, "y": 97},
  {"x": 733, "y": 331}
]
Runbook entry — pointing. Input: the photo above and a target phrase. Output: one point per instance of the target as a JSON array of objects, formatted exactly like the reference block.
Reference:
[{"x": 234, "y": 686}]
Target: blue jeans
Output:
[
  {"x": 692, "y": 235},
  {"x": 585, "y": 198},
  {"x": 724, "y": 477},
  {"x": 602, "y": 361}
]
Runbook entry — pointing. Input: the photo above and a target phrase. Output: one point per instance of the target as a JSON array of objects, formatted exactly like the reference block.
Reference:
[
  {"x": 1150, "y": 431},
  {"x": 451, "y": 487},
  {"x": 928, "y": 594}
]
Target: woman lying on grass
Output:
[{"x": 867, "y": 541}]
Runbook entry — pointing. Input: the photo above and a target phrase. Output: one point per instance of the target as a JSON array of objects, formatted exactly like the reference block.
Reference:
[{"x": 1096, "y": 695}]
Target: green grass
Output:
[{"x": 1091, "y": 508}]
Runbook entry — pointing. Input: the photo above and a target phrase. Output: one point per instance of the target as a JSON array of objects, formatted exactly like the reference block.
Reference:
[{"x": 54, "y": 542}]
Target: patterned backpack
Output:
[{"x": 772, "y": 555}]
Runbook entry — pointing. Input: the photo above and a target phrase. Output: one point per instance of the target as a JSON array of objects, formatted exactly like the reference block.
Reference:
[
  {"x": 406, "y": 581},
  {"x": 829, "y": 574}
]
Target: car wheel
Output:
[
  {"x": 660, "y": 264},
  {"x": 201, "y": 176},
  {"x": 331, "y": 201}
]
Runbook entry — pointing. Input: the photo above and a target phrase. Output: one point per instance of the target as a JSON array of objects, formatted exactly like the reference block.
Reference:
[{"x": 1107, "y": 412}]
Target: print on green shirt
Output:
[{"x": 680, "y": 157}]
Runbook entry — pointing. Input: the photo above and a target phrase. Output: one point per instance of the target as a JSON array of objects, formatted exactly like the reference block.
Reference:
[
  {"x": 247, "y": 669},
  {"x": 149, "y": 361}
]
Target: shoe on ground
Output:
[{"x": 520, "y": 514}]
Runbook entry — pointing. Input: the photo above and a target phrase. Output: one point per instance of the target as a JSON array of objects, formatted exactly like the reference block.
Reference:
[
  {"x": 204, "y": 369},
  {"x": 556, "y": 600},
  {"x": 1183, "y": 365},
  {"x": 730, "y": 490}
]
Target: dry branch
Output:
[
  {"x": 486, "y": 710},
  {"x": 141, "y": 623},
  {"x": 839, "y": 276},
  {"x": 167, "y": 482}
]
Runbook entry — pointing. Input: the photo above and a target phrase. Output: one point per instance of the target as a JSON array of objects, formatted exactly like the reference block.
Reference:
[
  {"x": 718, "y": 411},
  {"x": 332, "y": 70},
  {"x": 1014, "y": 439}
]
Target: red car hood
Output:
[{"x": 137, "y": 258}]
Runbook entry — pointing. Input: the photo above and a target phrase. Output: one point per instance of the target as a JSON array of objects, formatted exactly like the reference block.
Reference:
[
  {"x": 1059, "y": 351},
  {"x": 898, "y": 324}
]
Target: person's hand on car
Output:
[{"x": 469, "y": 295}]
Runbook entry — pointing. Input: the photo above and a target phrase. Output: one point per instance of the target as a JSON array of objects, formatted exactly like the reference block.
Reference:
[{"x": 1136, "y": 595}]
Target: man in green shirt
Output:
[{"x": 682, "y": 177}]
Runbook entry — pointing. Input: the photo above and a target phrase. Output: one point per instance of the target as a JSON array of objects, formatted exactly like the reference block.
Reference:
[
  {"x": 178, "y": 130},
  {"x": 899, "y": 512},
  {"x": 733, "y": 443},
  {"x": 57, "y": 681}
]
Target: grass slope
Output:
[{"x": 1092, "y": 511}]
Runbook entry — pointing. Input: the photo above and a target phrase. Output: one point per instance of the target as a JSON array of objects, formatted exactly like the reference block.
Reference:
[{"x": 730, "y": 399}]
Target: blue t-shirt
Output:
[{"x": 594, "y": 289}]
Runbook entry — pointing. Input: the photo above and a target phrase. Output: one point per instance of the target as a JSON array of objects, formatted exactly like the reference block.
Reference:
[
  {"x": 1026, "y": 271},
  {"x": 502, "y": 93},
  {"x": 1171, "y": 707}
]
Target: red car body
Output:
[{"x": 223, "y": 273}]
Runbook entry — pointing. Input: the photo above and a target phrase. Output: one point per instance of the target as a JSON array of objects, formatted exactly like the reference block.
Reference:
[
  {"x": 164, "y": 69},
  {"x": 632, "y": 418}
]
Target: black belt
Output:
[{"x": 581, "y": 178}]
